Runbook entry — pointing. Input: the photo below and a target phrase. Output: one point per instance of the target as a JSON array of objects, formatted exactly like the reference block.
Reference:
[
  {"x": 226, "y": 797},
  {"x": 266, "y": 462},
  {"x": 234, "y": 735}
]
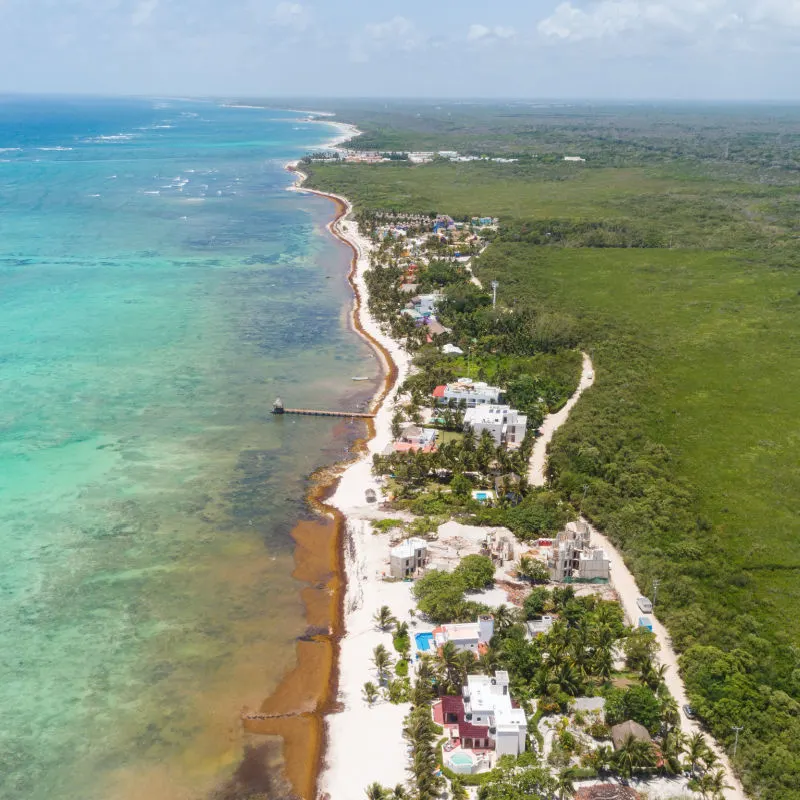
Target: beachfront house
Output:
[
  {"x": 485, "y": 717},
  {"x": 414, "y": 434},
  {"x": 504, "y": 424},
  {"x": 408, "y": 557},
  {"x": 472, "y": 636},
  {"x": 471, "y": 393}
]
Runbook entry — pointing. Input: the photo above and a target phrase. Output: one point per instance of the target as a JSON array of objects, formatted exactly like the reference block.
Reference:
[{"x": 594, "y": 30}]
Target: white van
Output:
[{"x": 644, "y": 605}]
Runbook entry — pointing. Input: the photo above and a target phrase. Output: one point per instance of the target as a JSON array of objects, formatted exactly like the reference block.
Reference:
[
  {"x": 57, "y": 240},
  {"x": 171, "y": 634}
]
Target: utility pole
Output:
[
  {"x": 736, "y": 728},
  {"x": 656, "y": 584},
  {"x": 495, "y": 284}
]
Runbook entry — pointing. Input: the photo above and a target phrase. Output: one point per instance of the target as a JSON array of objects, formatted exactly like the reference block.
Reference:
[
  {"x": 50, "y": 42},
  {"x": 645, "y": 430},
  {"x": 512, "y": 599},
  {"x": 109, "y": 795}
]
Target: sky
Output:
[{"x": 588, "y": 49}]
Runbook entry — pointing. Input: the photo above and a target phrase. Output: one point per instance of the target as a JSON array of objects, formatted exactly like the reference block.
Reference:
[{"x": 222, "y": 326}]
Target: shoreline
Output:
[{"x": 300, "y": 708}]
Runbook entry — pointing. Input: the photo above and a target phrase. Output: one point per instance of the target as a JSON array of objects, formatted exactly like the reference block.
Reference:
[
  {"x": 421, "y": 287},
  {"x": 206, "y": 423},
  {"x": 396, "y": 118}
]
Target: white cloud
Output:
[
  {"x": 291, "y": 15},
  {"x": 483, "y": 33},
  {"x": 143, "y": 11},
  {"x": 695, "y": 21}
]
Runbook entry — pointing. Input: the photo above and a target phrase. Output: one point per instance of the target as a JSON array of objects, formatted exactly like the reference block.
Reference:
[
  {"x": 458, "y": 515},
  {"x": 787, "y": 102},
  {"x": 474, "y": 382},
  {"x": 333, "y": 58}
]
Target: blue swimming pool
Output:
[
  {"x": 424, "y": 641},
  {"x": 481, "y": 496}
]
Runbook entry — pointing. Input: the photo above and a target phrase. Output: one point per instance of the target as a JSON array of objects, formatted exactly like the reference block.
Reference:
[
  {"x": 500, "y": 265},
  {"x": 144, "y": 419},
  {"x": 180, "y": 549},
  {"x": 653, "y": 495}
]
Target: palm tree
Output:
[
  {"x": 696, "y": 748},
  {"x": 375, "y": 792},
  {"x": 564, "y": 785},
  {"x": 451, "y": 666},
  {"x": 487, "y": 661},
  {"x": 382, "y": 661},
  {"x": 401, "y": 629},
  {"x": 503, "y": 617},
  {"x": 673, "y": 748},
  {"x": 717, "y": 784},
  {"x": 384, "y": 618},
  {"x": 467, "y": 662},
  {"x": 603, "y": 663},
  {"x": 709, "y": 759},
  {"x": 634, "y": 754},
  {"x": 603, "y": 758},
  {"x": 568, "y": 679},
  {"x": 370, "y": 692},
  {"x": 457, "y": 790},
  {"x": 399, "y": 793}
]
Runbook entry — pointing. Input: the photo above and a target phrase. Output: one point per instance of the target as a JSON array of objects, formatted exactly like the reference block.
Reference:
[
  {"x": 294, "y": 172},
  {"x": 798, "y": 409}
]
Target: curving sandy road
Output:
[
  {"x": 623, "y": 581},
  {"x": 553, "y": 422}
]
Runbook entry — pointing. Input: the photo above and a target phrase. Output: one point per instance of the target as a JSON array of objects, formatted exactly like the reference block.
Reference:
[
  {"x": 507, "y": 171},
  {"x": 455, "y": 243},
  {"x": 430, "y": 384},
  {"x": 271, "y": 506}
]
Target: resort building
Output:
[
  {"x": 505, "y": 425},
  {"x": 484, "y": 717},
  {"x": 472, "y": 636},
  {"x": 472, "y": 393},
  {"x": 573, "y": 558},
  {"x": 407, "y": 558}
]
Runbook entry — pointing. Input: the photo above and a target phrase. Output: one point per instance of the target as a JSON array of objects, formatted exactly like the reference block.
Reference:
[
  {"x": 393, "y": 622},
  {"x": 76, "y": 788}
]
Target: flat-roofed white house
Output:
[
  {"x": 472, "y": 636},
  {"x": 473, "y": 393},
  {"x": 408, "y": 557},
  {"x": 505, "y": 424},
  {"x": 488, "y": 700},
  {"x": 485, "y": 716}
]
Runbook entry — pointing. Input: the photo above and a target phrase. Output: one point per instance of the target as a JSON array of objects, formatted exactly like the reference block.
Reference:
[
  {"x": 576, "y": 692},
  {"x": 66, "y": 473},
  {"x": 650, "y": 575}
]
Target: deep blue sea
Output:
[{"x": 158, "y": 288}]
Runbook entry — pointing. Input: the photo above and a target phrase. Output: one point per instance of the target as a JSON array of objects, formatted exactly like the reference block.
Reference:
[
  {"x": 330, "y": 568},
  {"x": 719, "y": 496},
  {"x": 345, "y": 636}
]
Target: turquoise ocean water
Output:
[{"x": 158, "y": 288}]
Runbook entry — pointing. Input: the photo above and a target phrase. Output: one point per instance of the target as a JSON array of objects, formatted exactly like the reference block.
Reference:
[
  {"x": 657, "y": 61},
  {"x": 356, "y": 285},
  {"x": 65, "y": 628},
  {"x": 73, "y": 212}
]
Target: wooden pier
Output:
[
  {"x": 313, "y": 412},
  {"x": 278, "y": 408}
]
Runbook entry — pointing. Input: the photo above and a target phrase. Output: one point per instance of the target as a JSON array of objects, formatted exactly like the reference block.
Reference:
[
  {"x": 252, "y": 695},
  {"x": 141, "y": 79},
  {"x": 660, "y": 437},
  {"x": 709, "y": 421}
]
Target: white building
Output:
[
  {"x": 466, "y": 635},
  {"x": 413, "y": 434},
  {"x": 408, "y": 557},
  {"x": 452, "y": 350},
  {"x": 574, "y": 158},
  {"x": 473, "y": 393},
  {"x": 426, "y": 303},
  {"x": 487, "y": 701},
  {"x": 505, "y": 424}
]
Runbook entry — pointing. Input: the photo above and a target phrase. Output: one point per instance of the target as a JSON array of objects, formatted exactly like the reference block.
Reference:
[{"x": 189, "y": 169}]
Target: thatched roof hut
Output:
[{"x": 621, "y": 732}]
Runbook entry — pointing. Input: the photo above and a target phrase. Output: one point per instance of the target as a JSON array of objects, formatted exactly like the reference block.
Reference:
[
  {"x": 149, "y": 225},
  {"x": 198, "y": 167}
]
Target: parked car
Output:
[{"x": 689, "y": 711}]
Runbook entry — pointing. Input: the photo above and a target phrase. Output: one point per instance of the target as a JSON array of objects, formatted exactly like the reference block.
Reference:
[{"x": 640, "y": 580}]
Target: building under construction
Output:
[{"x": 573, "y": 557}]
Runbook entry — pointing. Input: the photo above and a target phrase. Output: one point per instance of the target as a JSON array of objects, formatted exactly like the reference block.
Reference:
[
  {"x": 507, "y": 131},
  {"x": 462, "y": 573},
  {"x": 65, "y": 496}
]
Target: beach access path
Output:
[{"x": 623, "y": 581}]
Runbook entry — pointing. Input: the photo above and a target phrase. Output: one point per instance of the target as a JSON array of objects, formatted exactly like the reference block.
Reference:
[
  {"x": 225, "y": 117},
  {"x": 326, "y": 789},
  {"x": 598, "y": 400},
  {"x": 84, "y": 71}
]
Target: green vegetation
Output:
[{"x": 672, "y": 258}]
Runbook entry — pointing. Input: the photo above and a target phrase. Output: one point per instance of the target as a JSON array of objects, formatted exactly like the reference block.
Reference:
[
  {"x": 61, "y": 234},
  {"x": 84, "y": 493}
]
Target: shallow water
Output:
[{"x": 158, "y": 288}]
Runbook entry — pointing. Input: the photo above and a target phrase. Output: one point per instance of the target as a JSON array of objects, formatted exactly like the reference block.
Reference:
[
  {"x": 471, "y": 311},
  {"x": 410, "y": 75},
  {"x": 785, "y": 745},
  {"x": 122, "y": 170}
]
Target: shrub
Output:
[
  {"x": 475, "y": 572},
  {"x": 401, "y": 668}
]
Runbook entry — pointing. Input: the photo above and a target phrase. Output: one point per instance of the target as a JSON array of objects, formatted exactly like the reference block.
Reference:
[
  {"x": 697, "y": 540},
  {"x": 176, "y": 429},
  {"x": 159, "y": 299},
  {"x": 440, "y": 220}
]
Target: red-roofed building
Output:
[
  {"x": 439, "y": 391},
  {"x": 449, "y": 712}
]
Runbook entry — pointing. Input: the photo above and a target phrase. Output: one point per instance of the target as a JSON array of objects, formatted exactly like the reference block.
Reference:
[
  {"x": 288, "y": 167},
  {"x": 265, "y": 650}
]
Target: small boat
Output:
[{"x": 360, "y": 378}]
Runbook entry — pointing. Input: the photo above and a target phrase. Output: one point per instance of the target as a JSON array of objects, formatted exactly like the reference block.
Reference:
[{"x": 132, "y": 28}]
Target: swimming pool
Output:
[
  {"x": 424, "y": 641},
  {"x": 481, "y": 496},
  {"x": 462, "y": 763}
]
